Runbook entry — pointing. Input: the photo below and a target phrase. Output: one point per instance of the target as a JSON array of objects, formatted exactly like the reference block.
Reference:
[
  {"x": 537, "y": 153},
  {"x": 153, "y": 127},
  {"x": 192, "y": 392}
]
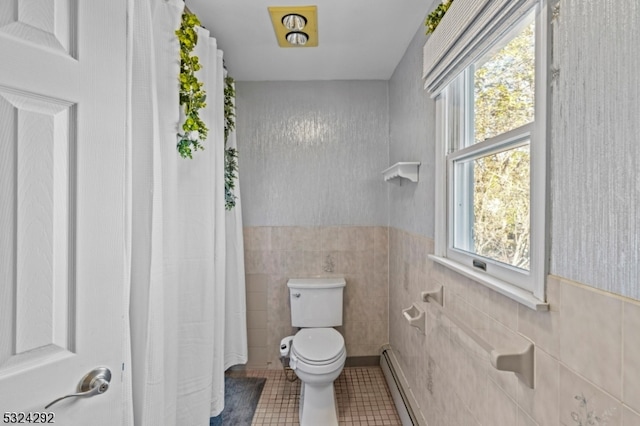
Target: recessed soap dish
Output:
[{"x": 415, "y": 317}]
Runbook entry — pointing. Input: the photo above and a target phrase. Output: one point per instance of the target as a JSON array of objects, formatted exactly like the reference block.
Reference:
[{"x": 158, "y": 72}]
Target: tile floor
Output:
[{"x": 362, "y": 393}]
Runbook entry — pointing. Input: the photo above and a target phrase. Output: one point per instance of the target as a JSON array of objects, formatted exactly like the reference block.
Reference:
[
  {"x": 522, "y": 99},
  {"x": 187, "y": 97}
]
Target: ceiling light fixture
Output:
[
  {"x": 294, "y": 22},
  {"x": 289, "y": 21},
  {"x": 297, "y": 38}
]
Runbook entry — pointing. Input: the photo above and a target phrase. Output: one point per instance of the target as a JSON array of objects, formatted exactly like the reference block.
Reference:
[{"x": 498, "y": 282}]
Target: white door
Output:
[{"x": 62, "y": 231}]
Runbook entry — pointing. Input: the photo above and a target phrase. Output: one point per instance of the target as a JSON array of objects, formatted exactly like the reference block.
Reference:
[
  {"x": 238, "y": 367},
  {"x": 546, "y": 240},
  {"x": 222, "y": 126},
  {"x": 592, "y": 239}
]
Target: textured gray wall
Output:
[
  {"x": 412, "y": 138},
  {"x": 311, "y": 153},
  {"x": 595, "y": 145}
]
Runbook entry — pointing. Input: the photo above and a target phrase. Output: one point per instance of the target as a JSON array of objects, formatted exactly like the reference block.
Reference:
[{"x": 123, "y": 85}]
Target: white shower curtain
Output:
[
  {"x": 235, "y": 342},
  {"x": 179, "y": 299}
]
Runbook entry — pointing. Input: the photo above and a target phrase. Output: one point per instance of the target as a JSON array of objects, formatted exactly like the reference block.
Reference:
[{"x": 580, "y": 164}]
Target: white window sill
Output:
[{"x": 521, "y": 296}]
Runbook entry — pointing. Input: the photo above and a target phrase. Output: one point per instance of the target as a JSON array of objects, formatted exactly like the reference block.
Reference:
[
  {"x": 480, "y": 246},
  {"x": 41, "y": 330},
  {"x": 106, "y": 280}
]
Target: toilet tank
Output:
[{"x": 316, "y": 302}]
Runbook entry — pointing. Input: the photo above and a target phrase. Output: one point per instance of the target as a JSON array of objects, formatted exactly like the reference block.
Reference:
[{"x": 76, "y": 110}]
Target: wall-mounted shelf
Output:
[{"x": 406, "y": 170}]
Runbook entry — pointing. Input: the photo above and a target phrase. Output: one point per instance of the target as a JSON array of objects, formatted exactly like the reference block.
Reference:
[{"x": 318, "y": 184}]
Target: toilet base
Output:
[{"x": 318, "y": 405}]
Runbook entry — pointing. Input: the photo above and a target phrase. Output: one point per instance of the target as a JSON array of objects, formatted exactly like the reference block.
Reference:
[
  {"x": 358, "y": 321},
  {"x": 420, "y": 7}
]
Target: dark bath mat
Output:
[{"x": 241, "y": 396}]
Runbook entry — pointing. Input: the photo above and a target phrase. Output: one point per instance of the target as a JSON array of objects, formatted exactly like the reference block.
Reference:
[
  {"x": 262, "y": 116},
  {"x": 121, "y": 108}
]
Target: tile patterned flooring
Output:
[{"x": 362, "y": 393}]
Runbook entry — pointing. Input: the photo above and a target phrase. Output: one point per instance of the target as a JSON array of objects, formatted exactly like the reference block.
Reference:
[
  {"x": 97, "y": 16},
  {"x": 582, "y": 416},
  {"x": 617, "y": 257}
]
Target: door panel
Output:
[
  {"x": 47, "y": 23},
  {"x": 62, "y": 176},
  {"x": 36, "y": 307}
]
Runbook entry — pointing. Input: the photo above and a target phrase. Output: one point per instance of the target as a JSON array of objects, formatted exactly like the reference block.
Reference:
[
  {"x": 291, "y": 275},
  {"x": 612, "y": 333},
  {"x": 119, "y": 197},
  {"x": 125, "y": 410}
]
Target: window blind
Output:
[{"x": 465, "y": 32}]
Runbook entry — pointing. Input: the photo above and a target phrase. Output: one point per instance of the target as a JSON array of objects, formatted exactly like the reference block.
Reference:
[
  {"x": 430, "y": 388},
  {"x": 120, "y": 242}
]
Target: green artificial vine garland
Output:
[
  {"x": 433, "y": 19},
  {"x": 230, "y": 154},
  {"x": 192, "y": 95}
]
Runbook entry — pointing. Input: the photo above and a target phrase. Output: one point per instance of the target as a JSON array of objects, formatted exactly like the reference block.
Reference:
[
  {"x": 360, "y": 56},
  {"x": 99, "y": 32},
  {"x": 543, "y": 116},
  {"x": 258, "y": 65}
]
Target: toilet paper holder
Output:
[{"x": 285, "y": 350}]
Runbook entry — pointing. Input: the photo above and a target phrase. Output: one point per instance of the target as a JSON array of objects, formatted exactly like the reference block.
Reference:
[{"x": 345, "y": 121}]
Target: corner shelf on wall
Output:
[{"x": 407, "y": 170}]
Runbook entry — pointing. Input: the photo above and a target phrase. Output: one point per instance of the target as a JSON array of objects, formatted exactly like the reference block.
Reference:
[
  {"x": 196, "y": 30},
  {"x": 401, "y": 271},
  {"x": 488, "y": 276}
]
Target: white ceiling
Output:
[{"x": 358, "y": 39}]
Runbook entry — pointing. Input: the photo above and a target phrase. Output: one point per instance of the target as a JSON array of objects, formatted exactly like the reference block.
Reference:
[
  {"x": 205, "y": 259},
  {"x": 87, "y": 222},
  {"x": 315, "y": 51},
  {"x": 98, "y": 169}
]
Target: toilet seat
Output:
[{"x": 318, "y": 346}]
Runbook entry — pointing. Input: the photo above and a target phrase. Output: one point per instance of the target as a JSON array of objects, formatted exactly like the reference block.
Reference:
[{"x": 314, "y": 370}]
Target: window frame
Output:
[
  {"x": 508, "y": 140},
  {"x": 527, "y": 288}
]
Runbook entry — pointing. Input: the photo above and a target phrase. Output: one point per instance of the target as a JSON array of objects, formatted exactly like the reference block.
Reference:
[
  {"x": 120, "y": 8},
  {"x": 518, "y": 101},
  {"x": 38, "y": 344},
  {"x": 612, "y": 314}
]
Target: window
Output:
[{"x": 492, "y": 166}]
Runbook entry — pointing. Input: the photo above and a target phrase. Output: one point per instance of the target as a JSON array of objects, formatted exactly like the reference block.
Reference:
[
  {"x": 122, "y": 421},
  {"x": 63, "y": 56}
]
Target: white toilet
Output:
[{"x": 317, "y": 352}]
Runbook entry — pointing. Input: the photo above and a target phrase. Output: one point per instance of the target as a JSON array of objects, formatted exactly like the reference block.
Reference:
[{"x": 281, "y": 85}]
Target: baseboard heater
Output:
[{"x": 405, "y": 403}]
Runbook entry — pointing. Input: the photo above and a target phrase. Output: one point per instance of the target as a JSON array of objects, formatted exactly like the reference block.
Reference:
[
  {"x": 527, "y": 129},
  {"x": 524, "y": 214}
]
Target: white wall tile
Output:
[
  {"x": 630, "y": 418},
  {"x": 631, "y": 360},
  {"x": 543, "y": 327},
  {"x": 578, "y": 397},
  {"x": 541, "y": 403},
  {"x": 525, "y": 420},
  {"x": 591, "y": 336},
  {"x": 500, "y": 409},
  {"x": 300, "y": 252}
]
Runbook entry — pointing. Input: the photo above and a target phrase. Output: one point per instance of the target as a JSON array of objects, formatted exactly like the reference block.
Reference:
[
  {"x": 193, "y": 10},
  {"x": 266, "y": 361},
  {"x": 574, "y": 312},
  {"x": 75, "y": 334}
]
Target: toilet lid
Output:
[{"x": 318, "y": 345}]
